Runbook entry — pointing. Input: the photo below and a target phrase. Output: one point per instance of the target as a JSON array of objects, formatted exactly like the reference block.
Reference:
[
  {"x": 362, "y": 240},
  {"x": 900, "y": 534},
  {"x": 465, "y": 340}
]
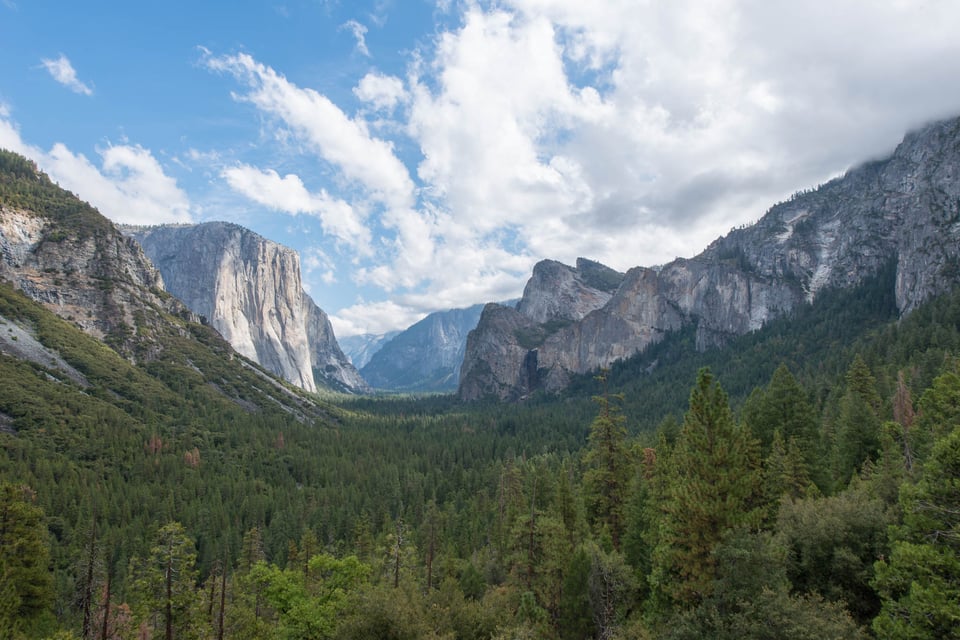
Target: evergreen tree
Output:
[
  {"x": 608, "y": 468},
  {"x": 784, "y": 473},
  {"x": 782, "y": 406},
  {"x": 920, "y": 583},
  {"x": 576, "y": 614},
  {"x": 712, "y": 487},
  {"x": 166, "y": 581},
  {"x": 26, "y": 584},
  {"x": 858, "y": 425},
  {"x": 939, "y": 411}
]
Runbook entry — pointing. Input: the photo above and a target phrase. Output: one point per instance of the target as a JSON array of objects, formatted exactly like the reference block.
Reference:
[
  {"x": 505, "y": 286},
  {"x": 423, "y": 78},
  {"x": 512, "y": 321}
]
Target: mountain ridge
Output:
[
  {"x": 905, "y": 208},
  {"x": 425, "y": 357}
]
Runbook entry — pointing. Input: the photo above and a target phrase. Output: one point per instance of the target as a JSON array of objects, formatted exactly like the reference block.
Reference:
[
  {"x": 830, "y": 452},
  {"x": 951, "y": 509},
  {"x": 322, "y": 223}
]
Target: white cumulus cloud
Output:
[
  {"x": 288, "y": 194},
  {"x": 61, "y": 70},
  {"x": 130, "y": 186},
  {"x": 340, "y": 140},
  {"x": 381, "y": 91}
]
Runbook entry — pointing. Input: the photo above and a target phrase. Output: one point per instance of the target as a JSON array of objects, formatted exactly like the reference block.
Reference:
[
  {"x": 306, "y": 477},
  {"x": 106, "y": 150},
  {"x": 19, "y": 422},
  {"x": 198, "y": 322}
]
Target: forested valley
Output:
[{"x": 802, "y": 482}]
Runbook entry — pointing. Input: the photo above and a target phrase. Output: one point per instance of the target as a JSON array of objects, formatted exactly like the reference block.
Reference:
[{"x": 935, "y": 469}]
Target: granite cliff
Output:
[
  {"x": 426, "y": 356},
  {"x": 249, "y": 289},
  {"x": 904, "y": 209}
]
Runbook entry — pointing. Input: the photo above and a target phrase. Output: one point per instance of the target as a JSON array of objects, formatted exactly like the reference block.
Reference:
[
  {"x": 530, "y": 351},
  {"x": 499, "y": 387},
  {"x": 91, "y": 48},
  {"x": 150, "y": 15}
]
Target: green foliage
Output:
[
  {"x": 920, "y": 583},
  {"x": 607, "y": 472},
  {"x": 858, "y": 425},
  {"x": 783, "y": 407},
  {"x": 833, "y": 542},
  {"x": 26, "y": 584},
  {"x": 576, "y": 613},
  {"x": 751, "y": 599},
  {"x": 165, "y": 582},
  {"x": 711, "y": 487}
]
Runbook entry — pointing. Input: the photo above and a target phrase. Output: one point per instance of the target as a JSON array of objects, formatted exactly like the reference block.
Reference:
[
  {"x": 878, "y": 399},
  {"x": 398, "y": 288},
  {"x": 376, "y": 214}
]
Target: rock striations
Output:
[
  {"x": 903, "y": 210},
  {"x": 249, "y": 289}
]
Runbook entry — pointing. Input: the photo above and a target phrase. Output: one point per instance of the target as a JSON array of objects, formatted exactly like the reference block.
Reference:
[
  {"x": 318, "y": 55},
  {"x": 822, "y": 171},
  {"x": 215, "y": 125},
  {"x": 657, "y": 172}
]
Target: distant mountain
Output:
[
  {"x": 903, "y": 210},
  {"x": 361, "y": 348},
  {"x": 249, "y": 289},
  {"x": 426, "y": 356}
]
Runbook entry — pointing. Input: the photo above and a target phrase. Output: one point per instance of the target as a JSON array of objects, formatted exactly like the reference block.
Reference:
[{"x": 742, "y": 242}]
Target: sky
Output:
[{"x": 424, "y": 155}]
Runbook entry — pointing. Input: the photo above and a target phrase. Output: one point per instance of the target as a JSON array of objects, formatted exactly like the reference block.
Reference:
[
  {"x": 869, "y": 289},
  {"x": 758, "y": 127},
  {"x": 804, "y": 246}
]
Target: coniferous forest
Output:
[
  {"x": 801, "y": 482},
  {"x": 820, "y": 503}
]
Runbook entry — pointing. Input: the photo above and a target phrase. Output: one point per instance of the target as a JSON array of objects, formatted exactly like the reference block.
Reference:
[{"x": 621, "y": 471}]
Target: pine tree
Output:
[
  {"x": 576, "y": 614},
  {"x": 784, "y": 472},
  {"x": 858, "y": 425},
  {"x": 166, "y": 581},
  {"x": 26, "y": 584},
  {"x": 783, "y": 407},
  {"x": 712, "y": 487},
  {"x": 608, "y": 468},
  {"x": 920, "y": 583}
]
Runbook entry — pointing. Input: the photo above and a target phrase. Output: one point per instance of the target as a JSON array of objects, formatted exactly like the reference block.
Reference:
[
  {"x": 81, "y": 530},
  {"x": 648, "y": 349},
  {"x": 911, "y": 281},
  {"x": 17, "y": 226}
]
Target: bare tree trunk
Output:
[
  {"x": 106, "y": 608},
  {"x": 223, "y": 601},
  {"x": 87, "y": 595},
  {"x": 169, "y": 608}
]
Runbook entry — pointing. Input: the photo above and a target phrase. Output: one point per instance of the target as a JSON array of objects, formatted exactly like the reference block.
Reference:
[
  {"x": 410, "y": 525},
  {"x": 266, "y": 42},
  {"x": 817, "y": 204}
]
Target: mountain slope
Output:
[
  {"x": 249, "y": 289},
  {"x": 426, "y": 356},
  {"x": 62, "y": 254},
  {"x": 905, "y": 209}
]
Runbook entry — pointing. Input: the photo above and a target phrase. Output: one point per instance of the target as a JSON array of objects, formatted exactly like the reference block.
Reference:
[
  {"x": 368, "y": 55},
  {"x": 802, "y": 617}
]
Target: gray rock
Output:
[
  {"x": 99, "y": 279},
  {"x": 904, "y": 209},
  {"x": 249, "y": 289},
  {"x": 426, "y": 356}
]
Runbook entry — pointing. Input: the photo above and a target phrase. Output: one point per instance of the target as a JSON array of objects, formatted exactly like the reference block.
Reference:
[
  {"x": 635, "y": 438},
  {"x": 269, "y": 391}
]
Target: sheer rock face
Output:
[
  {"x": 100, "y": 280},
  {"x": 556, "y": 292},
  {"x": 249, "y": 289},
  {"x": 904, "y": 209},
  {"x": 426, "y": 356}
]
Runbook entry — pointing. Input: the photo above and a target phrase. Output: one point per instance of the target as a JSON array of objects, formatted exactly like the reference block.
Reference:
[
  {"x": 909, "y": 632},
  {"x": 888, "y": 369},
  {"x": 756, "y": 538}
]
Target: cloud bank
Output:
[
  {"x": 516, "y": 130},
  {"x": 627, "y": 132}
]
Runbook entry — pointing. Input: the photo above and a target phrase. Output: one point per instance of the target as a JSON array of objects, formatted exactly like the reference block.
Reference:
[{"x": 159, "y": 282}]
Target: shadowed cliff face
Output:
[
  {"x": 426, "y": 356},
  {"x": 249, "y": 289},
  {"x": 904, "y": 209}
]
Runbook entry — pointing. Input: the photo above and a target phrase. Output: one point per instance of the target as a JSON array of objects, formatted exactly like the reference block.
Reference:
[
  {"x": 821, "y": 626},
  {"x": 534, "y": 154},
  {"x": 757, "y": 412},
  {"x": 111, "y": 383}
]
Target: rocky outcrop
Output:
[
  {"x": 249, "y": 289},
  {"x": 330, "y": 366},
  {"x": 99, "y": 279},
  {"x": 904, "y": 209},
  {"x": 558, "y": 293},
  {"x": 426, "y": 356}
]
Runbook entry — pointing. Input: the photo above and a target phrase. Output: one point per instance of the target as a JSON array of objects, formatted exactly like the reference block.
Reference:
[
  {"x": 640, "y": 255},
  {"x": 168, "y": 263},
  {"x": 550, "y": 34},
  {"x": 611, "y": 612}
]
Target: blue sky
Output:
[{"x": 424, "y": 155}]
